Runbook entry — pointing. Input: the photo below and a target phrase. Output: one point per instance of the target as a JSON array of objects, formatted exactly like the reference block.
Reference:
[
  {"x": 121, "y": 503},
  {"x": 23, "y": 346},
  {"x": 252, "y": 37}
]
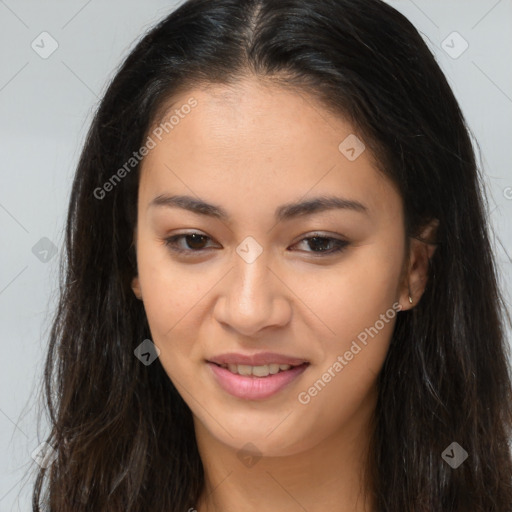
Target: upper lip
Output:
[{"x": 256, "y": 359}]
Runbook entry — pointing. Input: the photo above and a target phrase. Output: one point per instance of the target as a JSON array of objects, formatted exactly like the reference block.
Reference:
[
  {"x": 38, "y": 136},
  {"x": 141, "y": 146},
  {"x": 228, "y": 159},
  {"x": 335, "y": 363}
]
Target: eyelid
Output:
[
  {"x": 341, "y": 243},
  {"x": 168, "y": 241}
]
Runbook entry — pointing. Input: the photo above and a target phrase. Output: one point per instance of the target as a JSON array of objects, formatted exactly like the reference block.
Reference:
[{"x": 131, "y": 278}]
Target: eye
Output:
[
  {"x": 191, "y": 244},
  {"x": 320, "y": 244},
  {"x": 194, "y": 242}
]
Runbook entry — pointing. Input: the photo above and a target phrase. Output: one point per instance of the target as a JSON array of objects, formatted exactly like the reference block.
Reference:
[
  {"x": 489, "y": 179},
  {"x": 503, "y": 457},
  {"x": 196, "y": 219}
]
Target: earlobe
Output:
[{"x": 136, "y": 287}]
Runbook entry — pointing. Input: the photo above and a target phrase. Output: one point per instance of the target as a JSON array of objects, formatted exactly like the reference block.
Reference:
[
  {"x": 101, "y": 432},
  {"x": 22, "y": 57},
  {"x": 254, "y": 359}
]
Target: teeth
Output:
[
  {"x": 257, "y": 371},
  {"x": 244, "y": 369},
  {"x": 274, "y": 368}
]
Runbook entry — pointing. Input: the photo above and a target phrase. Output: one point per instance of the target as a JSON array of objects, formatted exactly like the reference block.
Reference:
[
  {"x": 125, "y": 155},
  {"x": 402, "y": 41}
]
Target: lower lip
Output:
[{"x": 250, "y": 387}]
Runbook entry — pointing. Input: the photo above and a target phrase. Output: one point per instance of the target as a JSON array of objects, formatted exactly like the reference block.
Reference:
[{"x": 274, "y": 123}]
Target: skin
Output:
[{"x": 249, "y": 149}]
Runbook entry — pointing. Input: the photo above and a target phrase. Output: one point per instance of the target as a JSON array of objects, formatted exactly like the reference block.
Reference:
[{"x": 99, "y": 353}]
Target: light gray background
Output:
[{"x": 46, "y": 106}]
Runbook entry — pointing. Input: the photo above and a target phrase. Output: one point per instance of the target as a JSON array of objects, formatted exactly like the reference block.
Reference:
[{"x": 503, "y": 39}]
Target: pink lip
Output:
[
  {"x": 250, "y": 387},
  {"x": 256, "y": 359}
]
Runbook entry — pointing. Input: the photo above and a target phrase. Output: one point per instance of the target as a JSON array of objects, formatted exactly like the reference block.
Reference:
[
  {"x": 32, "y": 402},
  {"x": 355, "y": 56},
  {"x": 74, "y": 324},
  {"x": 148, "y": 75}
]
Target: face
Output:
[{"x": 268, "y": 267}]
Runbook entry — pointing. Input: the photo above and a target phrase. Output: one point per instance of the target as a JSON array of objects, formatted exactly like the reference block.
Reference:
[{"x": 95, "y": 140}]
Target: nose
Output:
[{"x": 253, "y": 297}]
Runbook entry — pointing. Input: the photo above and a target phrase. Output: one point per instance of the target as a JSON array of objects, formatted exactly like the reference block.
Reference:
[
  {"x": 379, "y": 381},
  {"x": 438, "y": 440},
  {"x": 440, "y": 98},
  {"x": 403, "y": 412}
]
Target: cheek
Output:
[
  {"x": 170, "y": 292},
  {"x": 358, "y": 303},
  {"x": 354, "y": 295},
  {"x": 361, "y": 310}
]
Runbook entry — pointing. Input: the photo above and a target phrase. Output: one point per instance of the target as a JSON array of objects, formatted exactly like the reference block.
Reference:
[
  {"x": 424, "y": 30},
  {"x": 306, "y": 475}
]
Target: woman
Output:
[{"x": 280, "y": 292}]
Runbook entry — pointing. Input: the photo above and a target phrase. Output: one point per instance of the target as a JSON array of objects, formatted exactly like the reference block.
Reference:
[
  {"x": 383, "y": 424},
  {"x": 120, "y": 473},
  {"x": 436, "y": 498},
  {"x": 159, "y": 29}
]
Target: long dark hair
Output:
[{"x": 123, "y": 436}]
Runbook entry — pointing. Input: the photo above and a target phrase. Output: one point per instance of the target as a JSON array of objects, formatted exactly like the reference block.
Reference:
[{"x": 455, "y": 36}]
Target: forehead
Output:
[{"x": 263, "y": 139}]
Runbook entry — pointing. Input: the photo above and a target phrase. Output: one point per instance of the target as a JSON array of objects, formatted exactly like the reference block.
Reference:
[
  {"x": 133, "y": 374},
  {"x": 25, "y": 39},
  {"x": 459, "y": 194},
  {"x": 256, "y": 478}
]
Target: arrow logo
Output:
[
  {"x": 44, "y": 250},
  {"x": 454, "y": 45},
  {"x": 249, "y": 249},
  {"x": 44, "y": 45},
  {"x": 454, "y": 455},
  {"x": 147, "y": 352},
  {"x": 249, "y": 455},
  {"x": 351, "y": 147}
]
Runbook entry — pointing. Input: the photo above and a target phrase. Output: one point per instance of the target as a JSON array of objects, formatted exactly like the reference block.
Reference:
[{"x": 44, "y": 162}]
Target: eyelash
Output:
[{"x": 171, "y": 242}]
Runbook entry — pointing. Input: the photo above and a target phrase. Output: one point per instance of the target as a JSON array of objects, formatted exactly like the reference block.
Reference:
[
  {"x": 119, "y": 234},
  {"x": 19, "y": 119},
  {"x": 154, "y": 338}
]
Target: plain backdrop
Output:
[{"x": 46, "y": 105}]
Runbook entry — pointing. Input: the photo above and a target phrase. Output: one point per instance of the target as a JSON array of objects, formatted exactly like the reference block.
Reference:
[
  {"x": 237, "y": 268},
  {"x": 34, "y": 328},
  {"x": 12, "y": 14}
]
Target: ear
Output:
[
  {"x": 421, "y": 249},
  {"x": 136, "y": 287},
  {"x": 135, "y": 281}
]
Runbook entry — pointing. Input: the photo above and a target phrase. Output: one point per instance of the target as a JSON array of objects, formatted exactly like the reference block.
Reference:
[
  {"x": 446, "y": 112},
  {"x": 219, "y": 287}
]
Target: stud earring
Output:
[{"x": 410, "y": 298}]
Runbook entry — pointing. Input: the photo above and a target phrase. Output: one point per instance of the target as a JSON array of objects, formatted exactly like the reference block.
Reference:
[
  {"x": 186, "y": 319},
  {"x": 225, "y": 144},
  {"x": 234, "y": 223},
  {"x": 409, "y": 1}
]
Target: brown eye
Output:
[
  {"x": 190, "y": 243},
  {"x": 321, "y": 244},
  {"x": 194, "y": 242}
]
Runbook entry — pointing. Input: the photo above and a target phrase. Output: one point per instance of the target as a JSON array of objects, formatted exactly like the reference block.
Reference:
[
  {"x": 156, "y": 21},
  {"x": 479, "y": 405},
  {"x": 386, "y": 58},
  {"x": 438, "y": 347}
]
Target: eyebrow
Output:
[{"x": 285, "y": 212}]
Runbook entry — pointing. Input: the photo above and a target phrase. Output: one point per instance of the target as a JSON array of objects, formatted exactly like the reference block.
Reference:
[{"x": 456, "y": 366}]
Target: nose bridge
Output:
[
  {"x": 251, "y": 289},
  {"x": 253, "y": 298}
]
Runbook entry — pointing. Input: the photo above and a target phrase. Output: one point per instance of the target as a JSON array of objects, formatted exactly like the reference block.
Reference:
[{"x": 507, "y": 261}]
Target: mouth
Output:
[
  {"x": 248, "y": 382},
  {"x": 257, "y": 371}
]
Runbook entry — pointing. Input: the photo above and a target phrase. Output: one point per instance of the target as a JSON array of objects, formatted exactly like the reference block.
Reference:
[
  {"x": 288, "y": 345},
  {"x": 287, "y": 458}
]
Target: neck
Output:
[{"x": 327, "y": 476}]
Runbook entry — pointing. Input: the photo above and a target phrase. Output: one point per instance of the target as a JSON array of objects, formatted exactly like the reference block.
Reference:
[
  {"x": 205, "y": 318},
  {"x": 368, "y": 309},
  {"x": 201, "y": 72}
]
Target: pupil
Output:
[
  {"x": 196, "y": 239},
  {"x": 313, "y": 242}
]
